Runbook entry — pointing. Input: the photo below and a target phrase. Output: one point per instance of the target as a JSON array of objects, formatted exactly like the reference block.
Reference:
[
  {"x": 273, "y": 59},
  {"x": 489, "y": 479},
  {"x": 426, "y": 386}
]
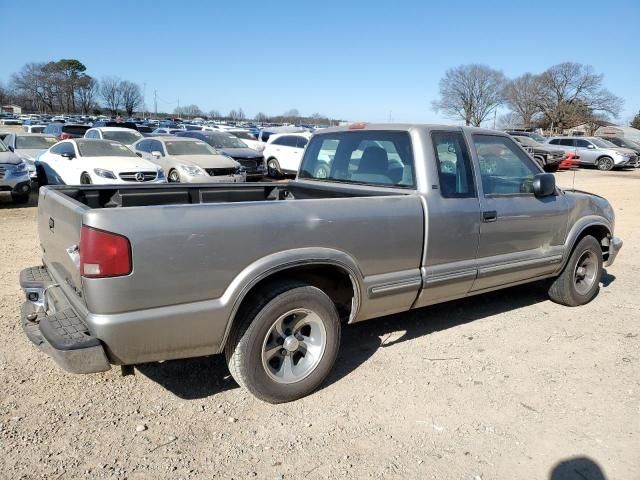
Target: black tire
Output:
[
  {"x": 551, "y": 168},
  {"x": 43, "y": 180},
  {"x": 174, "y": 176},
  {"x": 605, "y": 163},
  {"x": 273, "y": 168},
  {"x": 322, "y": 171},
  {"x": 254, "y": 322},
  {"x": 85, "y": 179},
  {"x": 540, "y": 161},
  {"x": 20, "y": 198},
  {"x": 565, "y": 288}
]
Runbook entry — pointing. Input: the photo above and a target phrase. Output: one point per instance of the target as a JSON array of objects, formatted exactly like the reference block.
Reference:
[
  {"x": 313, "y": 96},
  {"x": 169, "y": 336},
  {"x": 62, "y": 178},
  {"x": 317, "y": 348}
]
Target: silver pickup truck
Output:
[{"x": 380, "y": 219}]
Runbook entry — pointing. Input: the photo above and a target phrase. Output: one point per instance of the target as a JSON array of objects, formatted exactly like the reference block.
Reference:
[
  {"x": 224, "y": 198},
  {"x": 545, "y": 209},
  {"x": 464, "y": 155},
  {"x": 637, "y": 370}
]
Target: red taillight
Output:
[
  {"x": 65, "y": 136},
  {"x": 357, "y": 125},
  {"x": 103, "y": 254}
]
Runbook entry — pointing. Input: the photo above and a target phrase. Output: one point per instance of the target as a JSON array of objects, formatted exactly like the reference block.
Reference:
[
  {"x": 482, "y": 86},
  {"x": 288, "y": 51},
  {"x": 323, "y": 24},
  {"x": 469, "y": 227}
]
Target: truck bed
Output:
[{"x": 117, "y": 196}]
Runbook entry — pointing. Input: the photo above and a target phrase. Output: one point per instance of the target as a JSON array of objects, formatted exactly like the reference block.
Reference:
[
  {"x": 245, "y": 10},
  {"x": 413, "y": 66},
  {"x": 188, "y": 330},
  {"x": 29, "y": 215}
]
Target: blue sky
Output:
[{"x": 372, "y": 61}]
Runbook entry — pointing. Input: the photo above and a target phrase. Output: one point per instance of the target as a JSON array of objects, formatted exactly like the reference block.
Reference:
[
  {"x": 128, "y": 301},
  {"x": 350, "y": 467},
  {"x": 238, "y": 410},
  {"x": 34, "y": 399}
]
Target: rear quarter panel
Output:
[{"x": 192, "y": 253}]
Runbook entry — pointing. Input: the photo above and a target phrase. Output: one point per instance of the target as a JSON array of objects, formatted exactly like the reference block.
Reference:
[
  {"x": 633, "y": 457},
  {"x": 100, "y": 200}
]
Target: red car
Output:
[
  {"x": 64, "y": 131},
  {"x": 570, "y": 161}
]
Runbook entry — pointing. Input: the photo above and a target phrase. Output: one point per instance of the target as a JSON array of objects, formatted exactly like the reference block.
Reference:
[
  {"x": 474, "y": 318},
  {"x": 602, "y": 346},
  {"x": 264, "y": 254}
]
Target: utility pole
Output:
[
  {"x": 144, "y": 100},
  {"x": 155, "y": 103},
  {"x": 495, "y": 113}
]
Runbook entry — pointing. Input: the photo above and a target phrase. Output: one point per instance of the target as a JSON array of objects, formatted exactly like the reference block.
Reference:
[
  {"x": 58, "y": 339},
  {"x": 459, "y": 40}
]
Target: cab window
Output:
[{"x": 454, "y": 165}]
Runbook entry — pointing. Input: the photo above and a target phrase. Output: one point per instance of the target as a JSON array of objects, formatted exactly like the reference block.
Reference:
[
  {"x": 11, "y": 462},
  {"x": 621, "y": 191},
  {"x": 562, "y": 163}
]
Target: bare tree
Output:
[
  {"x": 470, "y": 93},
  {"x": 214, "y": 114},
  {"x": 261, "y": 117},
  {"x": 5, "y": 94},
  {"x": 86, "y": 92},
  {"x": 111, "y": 94},
  {"x": 522, "y": 95},
  {"x": 510, "y": 120},
  {"x": 635, "y": 122},
  {"x": 241, "y": 115},
  {"x": 572, "y": 93},
  {"x": 189, "y": 111},
  {"x": 233, "y": 115},
  {"x": 131, "y": 96}
]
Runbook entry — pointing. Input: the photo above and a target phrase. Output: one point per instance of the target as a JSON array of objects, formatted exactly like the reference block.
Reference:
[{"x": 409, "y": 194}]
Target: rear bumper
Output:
[{"x": 52, "y": 324}]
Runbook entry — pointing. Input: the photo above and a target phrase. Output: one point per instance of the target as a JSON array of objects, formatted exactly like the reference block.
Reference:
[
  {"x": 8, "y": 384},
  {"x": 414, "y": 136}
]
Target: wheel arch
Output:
[
  {"x": 598, "y": 228},
  {"x": 333, "y": 272}
]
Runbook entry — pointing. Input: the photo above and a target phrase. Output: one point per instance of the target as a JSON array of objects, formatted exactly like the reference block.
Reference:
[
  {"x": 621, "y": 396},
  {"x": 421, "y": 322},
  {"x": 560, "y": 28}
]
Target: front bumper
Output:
[
  {"x": 51, "y": 324},
  {"x": 238, "y": 178},
  {"x": 15, "y": 183},
  {"x": 615, "y": 244}
]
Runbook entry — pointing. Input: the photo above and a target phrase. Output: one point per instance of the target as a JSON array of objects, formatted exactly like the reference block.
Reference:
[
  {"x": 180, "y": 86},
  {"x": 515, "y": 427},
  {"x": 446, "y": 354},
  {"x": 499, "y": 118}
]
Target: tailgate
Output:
[{"x": 59, "y": 224}]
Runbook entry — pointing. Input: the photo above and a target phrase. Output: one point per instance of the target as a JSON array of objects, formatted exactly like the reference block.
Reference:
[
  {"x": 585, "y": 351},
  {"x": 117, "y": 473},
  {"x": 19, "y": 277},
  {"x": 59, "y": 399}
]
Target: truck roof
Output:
[{"x": 359, "y": 126}]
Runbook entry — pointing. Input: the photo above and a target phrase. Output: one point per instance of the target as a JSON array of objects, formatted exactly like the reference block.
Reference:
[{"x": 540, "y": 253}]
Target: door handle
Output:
[{"x": 489, "y": 216}]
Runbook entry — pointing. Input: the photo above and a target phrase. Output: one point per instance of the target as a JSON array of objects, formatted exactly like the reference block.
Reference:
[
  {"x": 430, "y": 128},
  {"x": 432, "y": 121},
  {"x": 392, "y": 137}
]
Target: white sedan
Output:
[
  {"x": 127, "y": 136},
  {"x": 283, "y": 153},
  {"x": 87, "y": 161}
]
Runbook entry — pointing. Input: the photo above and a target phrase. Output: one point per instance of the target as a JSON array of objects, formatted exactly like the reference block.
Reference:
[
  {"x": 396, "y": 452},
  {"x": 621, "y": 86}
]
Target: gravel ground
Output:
[{"x": 506, "y": 385}]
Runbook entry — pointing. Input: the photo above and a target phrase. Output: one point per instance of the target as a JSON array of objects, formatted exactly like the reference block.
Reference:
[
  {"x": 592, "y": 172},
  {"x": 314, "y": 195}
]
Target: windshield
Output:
[
  {"x": 526, "y": 141},
  {"x": 189, "y": 148},
  {"x": 127, "y": 138},
  {"x": 244, "y": 135},
  {"x": 98, "y": 148},
  {"x": 27, "y": 142},
  {"x": 602, "y": 143},
  {"x": 225, "y": 140},
  {"x": 537, "y": 138}
]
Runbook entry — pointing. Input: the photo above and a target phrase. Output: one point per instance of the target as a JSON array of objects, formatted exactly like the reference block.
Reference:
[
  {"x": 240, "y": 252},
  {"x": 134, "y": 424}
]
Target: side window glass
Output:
[
  {"x": 454, "y": 165},
  {"x": 57, "y": 149},
  {"x": 302, "y": 142},
  {"x": 582, "y": 143},
  {"x": 157, "y": 147},
  {"x": 504, "y": 168}
]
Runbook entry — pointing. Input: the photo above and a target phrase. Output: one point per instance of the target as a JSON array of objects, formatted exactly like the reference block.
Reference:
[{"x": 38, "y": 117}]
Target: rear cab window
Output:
[{"x": 380, "y": 158}]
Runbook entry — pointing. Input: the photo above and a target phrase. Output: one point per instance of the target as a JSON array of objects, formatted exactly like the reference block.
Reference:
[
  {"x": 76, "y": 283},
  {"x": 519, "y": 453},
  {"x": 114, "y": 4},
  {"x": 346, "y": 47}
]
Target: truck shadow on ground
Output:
[{"x": 202, "y": 377}]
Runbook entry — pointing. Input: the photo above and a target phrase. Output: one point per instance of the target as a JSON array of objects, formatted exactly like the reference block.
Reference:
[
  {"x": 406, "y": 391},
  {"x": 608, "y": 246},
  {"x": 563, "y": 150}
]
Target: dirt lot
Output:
[{"x": 505, "y": 385}]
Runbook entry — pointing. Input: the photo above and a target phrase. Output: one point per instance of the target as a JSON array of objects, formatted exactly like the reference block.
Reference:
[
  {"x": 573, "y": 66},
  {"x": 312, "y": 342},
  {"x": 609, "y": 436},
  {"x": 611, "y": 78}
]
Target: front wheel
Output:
[
  {"x": 580, "y": 280},
  {"x": 174, "y": 176},
  {"x": 85, "y": 179},
  {"x": 285, "y": 342},
  {"x": 605, "y": 163}
]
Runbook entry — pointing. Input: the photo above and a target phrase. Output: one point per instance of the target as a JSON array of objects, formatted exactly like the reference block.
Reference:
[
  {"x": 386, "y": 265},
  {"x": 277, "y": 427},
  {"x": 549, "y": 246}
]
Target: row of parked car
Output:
[
  {"x": 605, "y": 153},
  {"x": 112, "y": 152},
  {"x": 79, "y": 154}
]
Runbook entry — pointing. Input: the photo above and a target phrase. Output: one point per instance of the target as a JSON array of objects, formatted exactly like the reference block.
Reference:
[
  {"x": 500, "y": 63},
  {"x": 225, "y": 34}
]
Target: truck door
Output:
[
  {"x": 453, "y": 219},
  {"x": 521, "y": 236}
]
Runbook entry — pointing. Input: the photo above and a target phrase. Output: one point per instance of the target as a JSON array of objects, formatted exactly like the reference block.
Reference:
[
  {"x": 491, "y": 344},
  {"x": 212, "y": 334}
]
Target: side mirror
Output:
[
  {"x": 139, "y": 154},
  {"x": 11, "y": 149},
  {"x": 591, "y": 146},
  {"x": 544, "y": 184},
  {"x": 69, "y": 156},
  {"x": 156, "y": 154}
]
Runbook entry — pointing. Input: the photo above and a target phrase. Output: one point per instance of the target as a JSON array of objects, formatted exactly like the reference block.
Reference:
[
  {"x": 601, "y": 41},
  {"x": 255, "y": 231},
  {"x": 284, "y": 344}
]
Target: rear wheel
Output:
[
  {"x": 605, "y": 163},
  {"x": 273, "y": 168},
  {"x": 580, "y": 280},
  {"x": 42, "y": 176},
  {"x": 85, "y": 179},
  {"x": 322, "y": 171},
  {"x": 174, "y": 176},
  {"x": 285, "y": 343},
  {"x": 20, "y": 198}
]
